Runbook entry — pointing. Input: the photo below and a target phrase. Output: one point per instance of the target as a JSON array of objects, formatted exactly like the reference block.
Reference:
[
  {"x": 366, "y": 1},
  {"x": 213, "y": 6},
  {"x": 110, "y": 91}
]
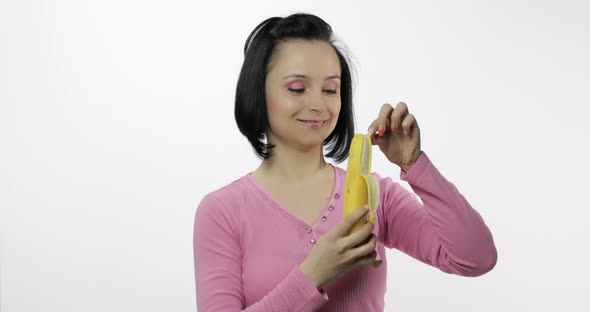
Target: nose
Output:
[{"x": 316, "y": 103}]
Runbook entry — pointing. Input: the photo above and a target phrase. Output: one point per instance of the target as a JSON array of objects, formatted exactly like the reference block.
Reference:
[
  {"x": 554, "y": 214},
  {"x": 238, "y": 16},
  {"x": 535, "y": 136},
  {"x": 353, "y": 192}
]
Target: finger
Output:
[
  {"x": 357, "y": 238},
  {"x": 380, "y": 140},
  {"x": 408, "y": 123},
  {"x": 371, "y": 240},
  {"x": 398, "y": 115},
  {"x": 341, "y": 229},
  {"x": 373, "y": 127},
  {"x": 384, "y": 113},
  {"x": 366, "y": 240},
  {"x": 362, "y": 250},
  {"x": 368, "y": 259},
  {"x": 382, "y": 121},
  {"x": 377, "y": 140}
]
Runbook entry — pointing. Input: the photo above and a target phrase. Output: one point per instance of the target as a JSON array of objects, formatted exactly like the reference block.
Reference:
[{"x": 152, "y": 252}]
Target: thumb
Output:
[{"x": 378, "y": 140}]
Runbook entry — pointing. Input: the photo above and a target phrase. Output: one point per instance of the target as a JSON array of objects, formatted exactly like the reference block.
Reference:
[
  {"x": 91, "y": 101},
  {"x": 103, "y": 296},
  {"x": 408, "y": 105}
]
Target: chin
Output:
[{"x": 310, "y": 142}]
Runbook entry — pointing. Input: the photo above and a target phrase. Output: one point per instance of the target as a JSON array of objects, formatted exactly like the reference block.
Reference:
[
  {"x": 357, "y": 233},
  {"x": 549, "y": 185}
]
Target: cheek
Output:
[
  {"x": 272, "y": 109},
  {"x": 336, "y": 110},
  {"x": 279, "y": 106}
]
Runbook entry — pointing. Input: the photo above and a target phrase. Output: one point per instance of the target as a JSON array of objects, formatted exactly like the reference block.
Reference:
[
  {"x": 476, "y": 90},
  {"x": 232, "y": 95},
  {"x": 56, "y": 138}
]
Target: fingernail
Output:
[
  {"x": 381, "y": 132},
  {"x": 371, "y": 130},
  {"x": 393, "y": 126},
  {"x": 405, "y": 132},
  {"x": 366, "y": 207}
]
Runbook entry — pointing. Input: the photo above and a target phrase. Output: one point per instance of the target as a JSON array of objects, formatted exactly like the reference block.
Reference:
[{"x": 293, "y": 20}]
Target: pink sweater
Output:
[{"x": 247, "y": 247}]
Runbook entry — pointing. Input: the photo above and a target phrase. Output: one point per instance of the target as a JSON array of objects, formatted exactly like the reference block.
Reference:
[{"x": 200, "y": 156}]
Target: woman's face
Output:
[{"x": 303, "y": 93}]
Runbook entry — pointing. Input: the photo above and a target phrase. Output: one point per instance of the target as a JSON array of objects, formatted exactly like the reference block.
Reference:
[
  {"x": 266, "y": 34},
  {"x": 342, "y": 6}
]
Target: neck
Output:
[{"x": 292, "y": 164}]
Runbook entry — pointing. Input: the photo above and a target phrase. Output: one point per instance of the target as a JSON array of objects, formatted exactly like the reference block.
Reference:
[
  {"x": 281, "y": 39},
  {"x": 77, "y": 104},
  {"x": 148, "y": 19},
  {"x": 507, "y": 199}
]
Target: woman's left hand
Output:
[{"x": 397, "y": 134}]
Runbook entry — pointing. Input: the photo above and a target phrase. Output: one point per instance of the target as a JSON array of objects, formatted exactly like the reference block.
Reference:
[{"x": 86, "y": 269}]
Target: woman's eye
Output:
[{"x": 301, "y": 90}]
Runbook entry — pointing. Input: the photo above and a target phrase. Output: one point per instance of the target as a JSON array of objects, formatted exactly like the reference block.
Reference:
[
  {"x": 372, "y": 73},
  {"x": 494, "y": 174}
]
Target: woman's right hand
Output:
[{"x": 336, "y": 252}]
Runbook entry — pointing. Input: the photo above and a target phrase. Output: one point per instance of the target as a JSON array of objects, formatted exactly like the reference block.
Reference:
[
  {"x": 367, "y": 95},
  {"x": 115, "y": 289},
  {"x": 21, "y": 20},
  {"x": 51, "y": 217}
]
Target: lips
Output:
[
  {"x": 313, "y": 124},
  {"x": 312, "y": 120}
]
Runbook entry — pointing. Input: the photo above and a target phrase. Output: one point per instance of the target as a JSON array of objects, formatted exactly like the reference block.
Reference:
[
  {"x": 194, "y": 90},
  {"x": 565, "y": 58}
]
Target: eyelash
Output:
[{"x": 301, "y": 90}]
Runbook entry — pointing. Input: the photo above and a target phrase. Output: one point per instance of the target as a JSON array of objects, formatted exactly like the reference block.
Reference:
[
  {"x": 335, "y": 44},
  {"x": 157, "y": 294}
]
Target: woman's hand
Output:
[
  {"x": 336, "y": 252},
  {"x": 397, "y": 134}
]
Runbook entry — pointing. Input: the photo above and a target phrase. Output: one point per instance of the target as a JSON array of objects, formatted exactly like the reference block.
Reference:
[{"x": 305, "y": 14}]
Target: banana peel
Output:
[{"x": 360, "y": 187}]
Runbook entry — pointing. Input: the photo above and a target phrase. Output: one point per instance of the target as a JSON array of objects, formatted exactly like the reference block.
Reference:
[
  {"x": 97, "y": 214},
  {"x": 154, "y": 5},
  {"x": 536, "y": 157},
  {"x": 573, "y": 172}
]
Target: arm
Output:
[
  {"x": 218, "y": 269},
  {"x": 444, "y": 231}
]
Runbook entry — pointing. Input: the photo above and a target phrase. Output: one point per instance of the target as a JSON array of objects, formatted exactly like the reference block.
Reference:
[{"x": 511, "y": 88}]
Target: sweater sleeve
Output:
[
  {"x": 443, "y": 231},
  {"x": 218, "y": 269}
]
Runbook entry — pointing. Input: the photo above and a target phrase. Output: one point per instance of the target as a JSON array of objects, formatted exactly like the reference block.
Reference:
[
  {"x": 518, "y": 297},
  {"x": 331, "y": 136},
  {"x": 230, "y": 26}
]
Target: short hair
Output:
[{"x": 250, "y": 101}]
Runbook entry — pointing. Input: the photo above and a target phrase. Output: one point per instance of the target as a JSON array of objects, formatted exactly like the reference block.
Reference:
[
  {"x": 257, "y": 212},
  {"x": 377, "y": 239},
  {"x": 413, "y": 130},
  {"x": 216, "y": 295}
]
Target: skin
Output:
[
  {"x": 397, "y": 134},
  {"x": 298, "y": 152},
  {"x": 298, "y": 165}
]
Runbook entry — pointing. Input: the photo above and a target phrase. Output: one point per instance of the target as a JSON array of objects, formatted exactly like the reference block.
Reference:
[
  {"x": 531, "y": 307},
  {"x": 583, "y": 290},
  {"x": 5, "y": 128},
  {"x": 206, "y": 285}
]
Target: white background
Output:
[{"x": 116, "y": 118}]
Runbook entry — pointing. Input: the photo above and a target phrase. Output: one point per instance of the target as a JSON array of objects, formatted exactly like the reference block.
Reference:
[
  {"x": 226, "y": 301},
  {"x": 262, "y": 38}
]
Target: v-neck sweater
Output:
[{"x": 247, "y": 247}]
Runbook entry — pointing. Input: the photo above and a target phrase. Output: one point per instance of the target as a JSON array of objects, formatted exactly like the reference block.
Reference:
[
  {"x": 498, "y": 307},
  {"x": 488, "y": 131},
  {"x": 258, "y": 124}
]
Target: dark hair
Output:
[{"x": 250, "y": 107}]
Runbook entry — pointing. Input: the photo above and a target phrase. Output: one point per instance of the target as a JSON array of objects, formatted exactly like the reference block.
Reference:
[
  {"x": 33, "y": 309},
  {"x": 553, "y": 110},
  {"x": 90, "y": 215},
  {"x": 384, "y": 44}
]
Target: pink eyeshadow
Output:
[{"x": 295, "y": 84}]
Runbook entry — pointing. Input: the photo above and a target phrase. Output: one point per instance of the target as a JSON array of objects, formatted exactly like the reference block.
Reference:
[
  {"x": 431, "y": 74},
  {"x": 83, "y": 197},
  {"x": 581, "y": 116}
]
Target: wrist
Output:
[
  {"x": 310, "y": 276},
  {"x": 406, "y": 167}
]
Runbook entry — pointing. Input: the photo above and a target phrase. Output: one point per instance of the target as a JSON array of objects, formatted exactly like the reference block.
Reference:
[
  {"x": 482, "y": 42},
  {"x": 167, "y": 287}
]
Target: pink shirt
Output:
[{"x": 247, "y": 247}]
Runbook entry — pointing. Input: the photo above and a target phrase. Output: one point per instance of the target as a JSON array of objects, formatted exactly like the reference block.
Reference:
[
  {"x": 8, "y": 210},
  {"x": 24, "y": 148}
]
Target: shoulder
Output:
[
  {"x": 229, "y": 192},
  {"x": 226, "y": 200},
  {"x": 218, "y": 213}
]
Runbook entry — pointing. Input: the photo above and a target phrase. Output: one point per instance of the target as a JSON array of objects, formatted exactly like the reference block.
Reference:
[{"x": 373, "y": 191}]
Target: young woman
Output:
[{"x": 274, "y": 239}]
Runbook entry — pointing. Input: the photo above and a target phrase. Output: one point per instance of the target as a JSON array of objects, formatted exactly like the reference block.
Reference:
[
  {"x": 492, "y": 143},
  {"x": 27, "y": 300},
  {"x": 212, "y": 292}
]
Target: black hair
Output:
[{"x": 250, "y": 102}]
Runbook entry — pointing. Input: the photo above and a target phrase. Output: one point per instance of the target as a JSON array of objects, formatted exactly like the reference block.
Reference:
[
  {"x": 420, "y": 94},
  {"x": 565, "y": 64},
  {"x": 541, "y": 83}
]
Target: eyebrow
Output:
[{"x": 304, "y": 76}]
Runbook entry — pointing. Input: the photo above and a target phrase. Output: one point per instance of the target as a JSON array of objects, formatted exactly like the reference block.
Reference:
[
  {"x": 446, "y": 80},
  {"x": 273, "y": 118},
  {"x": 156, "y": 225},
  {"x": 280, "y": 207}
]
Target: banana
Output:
[{"x": 360, "y": 187}]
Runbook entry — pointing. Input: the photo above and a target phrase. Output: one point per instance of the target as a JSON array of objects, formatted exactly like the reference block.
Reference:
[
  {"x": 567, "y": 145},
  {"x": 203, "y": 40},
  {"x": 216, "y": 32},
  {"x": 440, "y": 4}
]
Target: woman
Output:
[{"x": 275, "y": 239}]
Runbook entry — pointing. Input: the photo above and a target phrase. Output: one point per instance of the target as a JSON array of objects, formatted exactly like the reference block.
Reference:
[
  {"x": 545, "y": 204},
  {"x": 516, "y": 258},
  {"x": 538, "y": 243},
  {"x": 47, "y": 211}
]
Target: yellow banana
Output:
[{"x": 360, "y": 187}]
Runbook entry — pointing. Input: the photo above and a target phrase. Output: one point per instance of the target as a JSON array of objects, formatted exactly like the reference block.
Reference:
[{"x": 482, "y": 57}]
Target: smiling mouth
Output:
[
  {"x": 312, "y": 121},
  {"x": 313, "y": 124}
]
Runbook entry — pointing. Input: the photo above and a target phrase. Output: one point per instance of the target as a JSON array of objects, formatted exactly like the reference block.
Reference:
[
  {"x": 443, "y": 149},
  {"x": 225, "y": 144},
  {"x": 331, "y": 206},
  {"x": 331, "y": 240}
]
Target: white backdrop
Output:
[{"x": 116, "y": 118}]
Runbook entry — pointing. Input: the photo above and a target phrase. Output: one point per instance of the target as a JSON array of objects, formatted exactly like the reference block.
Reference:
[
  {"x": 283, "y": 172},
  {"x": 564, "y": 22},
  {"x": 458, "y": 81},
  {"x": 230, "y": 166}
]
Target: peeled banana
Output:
[{"x": 360, "y": 187}]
